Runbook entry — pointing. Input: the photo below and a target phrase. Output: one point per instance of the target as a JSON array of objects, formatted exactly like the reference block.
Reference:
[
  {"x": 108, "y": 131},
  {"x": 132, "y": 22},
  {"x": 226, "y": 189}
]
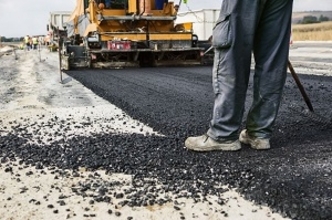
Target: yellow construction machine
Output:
[{"x": 126, "y": 33}]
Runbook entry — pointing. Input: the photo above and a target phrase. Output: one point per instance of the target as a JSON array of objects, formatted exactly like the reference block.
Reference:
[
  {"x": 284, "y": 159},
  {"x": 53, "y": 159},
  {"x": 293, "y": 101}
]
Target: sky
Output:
[{"x": 31, "y": 16}]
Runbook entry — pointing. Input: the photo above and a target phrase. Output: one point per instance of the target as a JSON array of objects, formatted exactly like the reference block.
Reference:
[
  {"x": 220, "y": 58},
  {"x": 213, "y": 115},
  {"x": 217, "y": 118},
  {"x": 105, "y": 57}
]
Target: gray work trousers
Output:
[{"x": 246, "y": 27}]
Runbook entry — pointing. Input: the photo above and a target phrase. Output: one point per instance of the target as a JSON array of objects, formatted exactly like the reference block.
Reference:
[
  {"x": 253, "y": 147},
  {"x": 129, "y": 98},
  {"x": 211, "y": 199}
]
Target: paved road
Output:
[
  {"x": 312, "y": 52},
  {"x": 294, "y": 177}
]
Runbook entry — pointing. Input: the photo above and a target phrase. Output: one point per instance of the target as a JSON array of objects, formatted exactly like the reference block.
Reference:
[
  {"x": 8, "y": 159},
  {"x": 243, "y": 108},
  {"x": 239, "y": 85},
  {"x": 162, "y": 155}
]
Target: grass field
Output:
[{"x": 312, "y": 32}]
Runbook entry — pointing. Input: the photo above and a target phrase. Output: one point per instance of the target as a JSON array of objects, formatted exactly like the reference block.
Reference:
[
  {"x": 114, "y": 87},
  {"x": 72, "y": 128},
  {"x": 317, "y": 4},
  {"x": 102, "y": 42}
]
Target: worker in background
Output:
[
  {"x": 27, "y": 42},
  {"x": 22, "y": 46},
  {"x": 243, "y": 27},
  {"x": 34, "y": 42},
  {"x": 30, "y": 42}
]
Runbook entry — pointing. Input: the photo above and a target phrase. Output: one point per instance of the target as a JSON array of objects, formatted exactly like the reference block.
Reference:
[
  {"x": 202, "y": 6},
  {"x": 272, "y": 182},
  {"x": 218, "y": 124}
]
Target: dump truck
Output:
[
  {"x": 56, "y": 26},
  {"x": 203, "y": 21},
  {"x": 128, "y": 33}
]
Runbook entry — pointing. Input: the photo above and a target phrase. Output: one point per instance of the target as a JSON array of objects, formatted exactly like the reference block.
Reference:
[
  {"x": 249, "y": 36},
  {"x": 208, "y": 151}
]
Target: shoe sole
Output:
[
  {"x": 248, "y": 142},
  {"x": 225, "y": 147}
]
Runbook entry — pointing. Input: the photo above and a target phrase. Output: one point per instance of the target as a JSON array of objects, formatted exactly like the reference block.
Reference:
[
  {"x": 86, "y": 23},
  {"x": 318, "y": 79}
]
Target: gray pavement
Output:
[{"x": 318, "y": 54}]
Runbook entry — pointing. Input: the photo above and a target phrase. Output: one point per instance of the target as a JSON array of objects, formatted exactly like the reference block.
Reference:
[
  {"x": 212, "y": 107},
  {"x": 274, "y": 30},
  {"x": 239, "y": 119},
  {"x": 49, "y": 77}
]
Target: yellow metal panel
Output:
[
  {"x": 170, "y": 36},
  {"x": 188, "y": 26},
  {"x": 112, "y": 26},
  {"x": 169, "y": 9},
  {"x": 91, "y": 28},
  {"x": 157, "y": 12},
  {"x": 112, "y": 12},
  {"x": 153, "y": 4},
  {"x": 132, "y": 6}
]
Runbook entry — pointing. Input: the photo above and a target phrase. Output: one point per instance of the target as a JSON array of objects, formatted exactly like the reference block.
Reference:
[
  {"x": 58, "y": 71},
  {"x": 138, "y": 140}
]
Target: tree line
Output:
[
  {"x": 310, "y": 19},
  {"x": 10, "y": 39}
]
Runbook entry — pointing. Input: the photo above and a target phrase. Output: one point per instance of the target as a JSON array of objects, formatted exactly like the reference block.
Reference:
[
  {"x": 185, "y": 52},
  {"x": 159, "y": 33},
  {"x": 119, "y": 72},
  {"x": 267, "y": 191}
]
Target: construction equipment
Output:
[
  {"x": 203, "y": 21},
  {"x": 56, "y": 28},
  {"x": 127, "y": 33}
]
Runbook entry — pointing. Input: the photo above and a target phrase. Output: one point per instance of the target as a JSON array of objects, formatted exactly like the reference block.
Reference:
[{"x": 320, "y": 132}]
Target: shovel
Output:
[
  {"x": 307, "y": 113},
  {"x": 299, "y": 85}
]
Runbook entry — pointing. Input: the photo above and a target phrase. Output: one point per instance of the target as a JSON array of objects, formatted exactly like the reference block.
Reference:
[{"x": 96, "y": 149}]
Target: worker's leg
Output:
[
  {"x": 271, "y": 55},
  {"x": 231, "y": 68}
]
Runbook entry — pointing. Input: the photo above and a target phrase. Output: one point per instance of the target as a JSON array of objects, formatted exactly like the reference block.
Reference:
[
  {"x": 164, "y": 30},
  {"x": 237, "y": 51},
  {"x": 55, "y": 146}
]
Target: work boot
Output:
[
  {"x": 205, "y": 143},
  {"x": 254, "y": 142}
]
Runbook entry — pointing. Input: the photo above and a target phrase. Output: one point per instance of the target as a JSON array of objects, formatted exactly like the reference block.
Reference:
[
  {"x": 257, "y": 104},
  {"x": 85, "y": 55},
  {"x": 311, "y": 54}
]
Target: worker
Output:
[
  {"x": 34, "y": 42},
  {"x": 27, "y": 42},
  {"x": 243, "y": 27}
]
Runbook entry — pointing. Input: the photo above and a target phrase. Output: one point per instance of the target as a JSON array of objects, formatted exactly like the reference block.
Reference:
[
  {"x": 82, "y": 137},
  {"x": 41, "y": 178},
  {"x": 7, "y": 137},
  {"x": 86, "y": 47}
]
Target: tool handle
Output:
[{"x": 299, "y": 85}]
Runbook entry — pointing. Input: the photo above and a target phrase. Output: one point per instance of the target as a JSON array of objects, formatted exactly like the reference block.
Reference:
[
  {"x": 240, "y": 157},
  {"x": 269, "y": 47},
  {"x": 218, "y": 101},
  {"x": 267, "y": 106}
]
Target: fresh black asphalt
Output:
[{"x": 294, "y": 177}]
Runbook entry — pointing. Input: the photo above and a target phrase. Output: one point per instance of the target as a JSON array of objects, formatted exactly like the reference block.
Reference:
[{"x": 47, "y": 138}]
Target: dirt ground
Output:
[{"x": 36, "y": 110}]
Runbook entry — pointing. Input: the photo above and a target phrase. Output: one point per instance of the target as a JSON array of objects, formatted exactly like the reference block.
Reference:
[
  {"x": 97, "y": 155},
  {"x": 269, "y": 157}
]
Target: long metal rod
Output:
[
  {"x": 208, "y": 50},
  {"x": 300, "y": 86},
  {"x": 39, "y": 48},
  {"x": 59, "y": 53}
]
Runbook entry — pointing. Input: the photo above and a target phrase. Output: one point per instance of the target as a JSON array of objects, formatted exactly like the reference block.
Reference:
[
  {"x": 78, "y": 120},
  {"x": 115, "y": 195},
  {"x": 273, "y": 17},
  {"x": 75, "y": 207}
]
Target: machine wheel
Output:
[{"x": 146, "y": 59}]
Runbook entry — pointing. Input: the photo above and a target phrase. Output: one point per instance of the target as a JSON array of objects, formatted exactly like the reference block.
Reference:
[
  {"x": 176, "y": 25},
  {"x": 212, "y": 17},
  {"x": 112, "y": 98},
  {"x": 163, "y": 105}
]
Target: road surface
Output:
[{"x": 294, "y": 177}]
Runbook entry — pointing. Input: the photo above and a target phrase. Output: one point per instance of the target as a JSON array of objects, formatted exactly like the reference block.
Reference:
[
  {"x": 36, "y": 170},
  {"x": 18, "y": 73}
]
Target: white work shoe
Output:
[
  {"x": 254, "y": 142},
  {"x": 205, "y": 143}
]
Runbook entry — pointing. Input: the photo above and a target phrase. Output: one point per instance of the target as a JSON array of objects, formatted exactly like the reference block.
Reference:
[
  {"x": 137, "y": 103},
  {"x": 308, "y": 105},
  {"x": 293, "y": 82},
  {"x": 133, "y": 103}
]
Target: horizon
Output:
[
  {"x": 43, "y": 22},
  {"x": 43, "y": 34}
]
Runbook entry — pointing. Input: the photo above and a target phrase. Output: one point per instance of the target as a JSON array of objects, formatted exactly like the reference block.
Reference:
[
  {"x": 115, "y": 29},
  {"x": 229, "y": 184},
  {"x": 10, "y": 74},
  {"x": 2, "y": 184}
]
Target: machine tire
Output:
[{"x": 146, "y": 59}]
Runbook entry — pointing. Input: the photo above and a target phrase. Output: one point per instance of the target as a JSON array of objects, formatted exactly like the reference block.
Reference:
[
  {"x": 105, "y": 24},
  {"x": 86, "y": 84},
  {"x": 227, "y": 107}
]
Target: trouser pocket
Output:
[{"x": 222, "y": 38}]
